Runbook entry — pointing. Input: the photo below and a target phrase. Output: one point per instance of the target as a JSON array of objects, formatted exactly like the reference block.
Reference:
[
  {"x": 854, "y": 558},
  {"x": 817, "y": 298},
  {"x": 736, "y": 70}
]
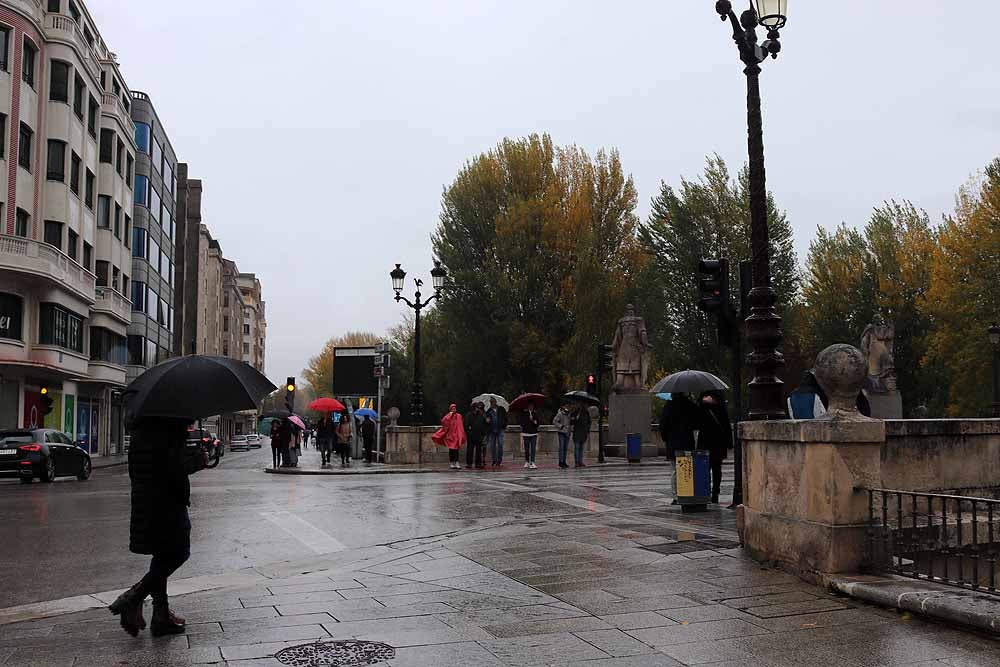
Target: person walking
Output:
[
  {"x": 715, "y": 435},
  {"x": 451, "y": 435},
  {"x": 275, "y": 439},
  {"x": 476, "y": 429},
  {"x": 343, "y": 439},
  {"x": 324, "y": 438},
  {"x": 496, "y": 418},
  {"x": 529, "y": 435},
  {"x": 159, "y": 525},
  {"x": 368, "y": 438},
  {"x": 581, "y": 431},
  {"x": 564, "y": 428},
  {"x": 678, "y": 420}
]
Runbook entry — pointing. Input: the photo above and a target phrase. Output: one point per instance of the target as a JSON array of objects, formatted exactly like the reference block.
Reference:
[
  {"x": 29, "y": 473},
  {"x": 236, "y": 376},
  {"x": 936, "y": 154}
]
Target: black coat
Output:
[
  {"x": 161, "y": 491},
  {"x": 678, "y": 421},
  {"x": 715, "y": 433},
  {"x": 368, "y": 432},
  {"x": 476, "y": 427},
  {"x": 581, "y": 425},
  {"x": 529, "y": 422}
]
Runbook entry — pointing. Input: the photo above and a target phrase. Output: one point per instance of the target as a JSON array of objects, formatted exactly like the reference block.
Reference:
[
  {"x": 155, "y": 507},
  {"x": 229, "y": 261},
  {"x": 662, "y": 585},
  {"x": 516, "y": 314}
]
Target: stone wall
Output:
[
  {"x": 942, "y": 455},
  {"x": 412, "y": 444}
]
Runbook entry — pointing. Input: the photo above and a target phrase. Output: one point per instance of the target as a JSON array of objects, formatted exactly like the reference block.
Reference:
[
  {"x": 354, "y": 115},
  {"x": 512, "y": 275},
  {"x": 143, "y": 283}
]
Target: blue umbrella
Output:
[
  {"x": 663, "y": 396},
  {"x": 366, "y": 412}
]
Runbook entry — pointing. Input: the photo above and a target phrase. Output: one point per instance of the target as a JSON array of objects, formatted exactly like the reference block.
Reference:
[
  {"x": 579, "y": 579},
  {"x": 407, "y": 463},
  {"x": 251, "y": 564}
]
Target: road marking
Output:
[
  {"x": 306, "y": 533},
  {"x": 575, "y": 502},
  {"x": 507, "y": 485}
]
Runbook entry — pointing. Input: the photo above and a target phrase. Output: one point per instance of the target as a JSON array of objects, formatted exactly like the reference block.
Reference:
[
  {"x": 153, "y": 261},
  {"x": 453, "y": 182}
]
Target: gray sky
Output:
[{"x": 325, "y": 131}]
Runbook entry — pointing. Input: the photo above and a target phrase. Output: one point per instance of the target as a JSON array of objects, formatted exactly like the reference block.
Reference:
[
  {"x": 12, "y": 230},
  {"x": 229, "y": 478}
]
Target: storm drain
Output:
[{"x": 343, "y": 653}]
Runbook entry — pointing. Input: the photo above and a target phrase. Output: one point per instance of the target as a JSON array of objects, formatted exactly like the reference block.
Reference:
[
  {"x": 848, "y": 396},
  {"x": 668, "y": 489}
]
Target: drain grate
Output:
[{"x": 343, "y": 653}]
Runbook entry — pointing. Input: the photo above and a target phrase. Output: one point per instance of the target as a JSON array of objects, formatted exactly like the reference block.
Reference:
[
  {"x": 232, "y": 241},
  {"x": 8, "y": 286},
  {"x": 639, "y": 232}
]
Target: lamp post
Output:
[
  {"x": 994, "y": 334},
  {"x": 398, "y": 275},
  {"x": 763, "y": 324}
]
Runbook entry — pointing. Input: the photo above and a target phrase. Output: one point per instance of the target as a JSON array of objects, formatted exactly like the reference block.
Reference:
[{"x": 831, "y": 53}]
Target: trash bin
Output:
[
  {"x": 693, "y": 480},
  {"x": 633, "y": 447}
]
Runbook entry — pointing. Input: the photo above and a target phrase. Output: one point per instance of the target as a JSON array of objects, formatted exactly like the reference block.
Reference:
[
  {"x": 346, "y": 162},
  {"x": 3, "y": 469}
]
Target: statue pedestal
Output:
[
  {"x": 629, "y": 413},
  {"x": 886, "y": 406}
]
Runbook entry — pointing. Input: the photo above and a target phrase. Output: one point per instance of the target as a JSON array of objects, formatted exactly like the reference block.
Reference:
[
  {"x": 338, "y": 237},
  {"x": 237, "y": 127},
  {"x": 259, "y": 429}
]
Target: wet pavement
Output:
[{"x": 591, "y": 568}]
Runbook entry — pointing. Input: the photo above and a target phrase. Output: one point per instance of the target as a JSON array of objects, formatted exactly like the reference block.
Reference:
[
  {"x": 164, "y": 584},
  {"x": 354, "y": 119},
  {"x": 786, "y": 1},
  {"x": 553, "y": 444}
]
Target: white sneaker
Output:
[
  {"x": 533, "y": 466},
  {"x": 527, "y": 465}
]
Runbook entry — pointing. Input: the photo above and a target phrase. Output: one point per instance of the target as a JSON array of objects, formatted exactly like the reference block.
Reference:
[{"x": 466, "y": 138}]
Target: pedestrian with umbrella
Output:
[
  {"x": 680, "y": 417},
  {"x": 324, "y": 438},
  {"x": 529, "y": 434},
  {"x": 451, "y": 435},
  {"x": 160, "y": 404},
  {"x": 715, "y": 435},
  {"x": 563, "y": 421},
  {"x": 496, "y": 421},
  {"x": 476, "y": 429},
  {"x": 343, "y": 440},
  {"x": 368, "y": 437},
  {"x": 580, "y": 422}
]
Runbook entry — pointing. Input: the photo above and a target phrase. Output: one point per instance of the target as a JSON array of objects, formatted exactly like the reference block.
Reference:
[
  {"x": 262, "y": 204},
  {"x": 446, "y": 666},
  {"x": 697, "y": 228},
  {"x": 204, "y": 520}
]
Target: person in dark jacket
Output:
[
  {"x": 529, "y": 434},
  {"x": 476, "y": 430},
  {"x": 581, "y": 431},
  {"x": 324, "y": 438},
  {"x": 678, "y": 420},
  {"x": 368, "y": 438},
  {"x": 807, "y": 401},
  {"x": 158, "y": 467},
  {"x": 275, "y": 447},
  {"x": 284, "y": 440},
  {"x": 496, "y": 417},
  {"x": 715, "y": 435}
]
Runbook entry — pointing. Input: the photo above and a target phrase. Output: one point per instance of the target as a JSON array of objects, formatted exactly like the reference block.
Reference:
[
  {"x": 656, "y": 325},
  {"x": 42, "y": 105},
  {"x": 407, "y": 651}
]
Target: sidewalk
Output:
[
  {"x": 588, "y": 589},
  {"x": 310, "y": 467},
  {"x": 98, "y": 462}
]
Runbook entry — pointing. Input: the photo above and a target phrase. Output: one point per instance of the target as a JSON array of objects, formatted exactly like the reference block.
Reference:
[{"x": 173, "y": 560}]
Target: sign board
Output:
[{"x": 354, "y": 371}]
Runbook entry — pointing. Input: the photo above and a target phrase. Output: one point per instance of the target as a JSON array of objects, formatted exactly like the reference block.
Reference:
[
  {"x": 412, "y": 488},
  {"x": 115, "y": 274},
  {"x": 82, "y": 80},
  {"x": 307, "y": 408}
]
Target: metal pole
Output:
[
  {"x": 600, "y": 407},
  {"x": 417, "y": 394},
  {"x": 378, "y": 425},
  {"x": 996, "y": 381}
]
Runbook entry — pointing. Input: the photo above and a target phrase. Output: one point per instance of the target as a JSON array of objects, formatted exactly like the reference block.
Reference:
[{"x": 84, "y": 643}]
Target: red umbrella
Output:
[
  {"x": 521, "y": 402},
  {"x": 327, "y": 405}
]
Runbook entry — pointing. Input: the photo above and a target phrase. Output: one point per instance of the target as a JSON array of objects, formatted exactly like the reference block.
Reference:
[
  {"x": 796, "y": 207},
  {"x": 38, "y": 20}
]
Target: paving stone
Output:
[
  {"x": 466, "y": 654},
  {"x": 625, "y": 606},
  {"x": 278, "y": 622},
  {"x": 696, "y": 632},
  {"x": 386, "y": 591},
  {"x": 386, "y": 613},
  {"x": 615, "y": 642},
  {"x": 829, "y": 618},
  {"x": 547, "y": 626},
  {"x": 543, "y": 650},
  {"x": 250, "y": 636},
  {"x": 252, "y": 651},
  {"x": 294, "y": 598},
  {"x": 708, "y": 612},
  {"x": 224, "y": 615},
  {"x": 413, "y": 631},
  {"x": 648, "y": 660},
  {"x": 794, "y": 608},
  {"x": 761, "y": 600},
  {"x": 313, "y": 586},
  {"x": 204, "y": 655},
  {"x": 331, "y": 607},
  {"x": 637, "y": 620}
]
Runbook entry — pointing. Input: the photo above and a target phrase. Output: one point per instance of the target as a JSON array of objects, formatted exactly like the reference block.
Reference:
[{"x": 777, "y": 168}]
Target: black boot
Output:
[
  {"x": 164, "y": 621},
  {"x": 128, "y": 607}
]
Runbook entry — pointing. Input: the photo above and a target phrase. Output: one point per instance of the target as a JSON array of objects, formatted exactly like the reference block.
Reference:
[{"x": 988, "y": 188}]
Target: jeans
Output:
[
  {"x": 563, "y": 446},
  {"x": 496, "y": 448},
  {"x": 530, "y": 442},
  {"x": 578, "y": 451},
  {"x": 325, "y": 446}
]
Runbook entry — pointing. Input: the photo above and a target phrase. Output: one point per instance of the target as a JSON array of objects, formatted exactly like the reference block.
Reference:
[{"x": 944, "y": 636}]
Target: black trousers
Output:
[
  {"x": 369, "y": 445},
  {"x": 165, "y": 562},
  {"x": 716, "y": 465},
  {"x": 474, "y": 454},
  {"x": 276, "y": 456},
  {"x": 453, "y": 456}
]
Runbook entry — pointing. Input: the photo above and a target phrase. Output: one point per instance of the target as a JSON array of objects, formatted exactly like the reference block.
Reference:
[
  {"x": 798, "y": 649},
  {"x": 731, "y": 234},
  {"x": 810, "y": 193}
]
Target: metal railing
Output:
[{"x": 947, "y": 539}]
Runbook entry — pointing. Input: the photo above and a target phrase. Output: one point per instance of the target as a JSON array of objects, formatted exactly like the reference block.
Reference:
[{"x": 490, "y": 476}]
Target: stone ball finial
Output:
[
  {"x": 840, "y": 371},
  {"x": 393, "y": 415}
]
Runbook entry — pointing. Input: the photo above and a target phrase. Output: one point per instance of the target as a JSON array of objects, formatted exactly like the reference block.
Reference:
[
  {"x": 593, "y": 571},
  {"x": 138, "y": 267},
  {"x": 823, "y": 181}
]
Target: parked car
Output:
[
  {"x": 208, "y": 440},
  {"x": 254, "y": 440},
  {"x": 239, "y": 443},
  {"x": 44, "y": 453}
]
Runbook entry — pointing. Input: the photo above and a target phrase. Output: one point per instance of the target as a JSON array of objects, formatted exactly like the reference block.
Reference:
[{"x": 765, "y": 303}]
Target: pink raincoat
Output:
[{"x": 452, "y": 431}]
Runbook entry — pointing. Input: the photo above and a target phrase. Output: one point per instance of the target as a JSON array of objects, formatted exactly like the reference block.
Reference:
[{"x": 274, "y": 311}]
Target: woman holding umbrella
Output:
[
  {"x": 324, "y": 438},
  {"x": 715, "y": 435},
  {"x": 451, "y": 435}
]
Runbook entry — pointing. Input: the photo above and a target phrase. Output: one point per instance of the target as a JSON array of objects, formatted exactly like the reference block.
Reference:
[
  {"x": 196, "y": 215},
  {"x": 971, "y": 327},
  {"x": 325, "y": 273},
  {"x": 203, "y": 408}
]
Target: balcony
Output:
[
  {"x": 64, "y": 29},
  {"x": 40, "y": 259},
  {"x": 111, "y": 104},
  {"x": 114, "y": 304}
]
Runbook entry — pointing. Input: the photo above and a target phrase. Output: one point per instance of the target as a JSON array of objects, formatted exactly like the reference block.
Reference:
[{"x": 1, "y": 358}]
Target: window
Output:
[
  {"x": 24, "y": 146},
  {"x": 60, "y": 327},
  {"x": 119, "y": 158},
  {"x": 135, "y": 344},
  {"x": 107, "y": 145},
  {"x": 74, "y": 173},
  {"x": 246, "y": 348},
  {"x": 4, "y": 47},
  {"x": 59, "y": 83},
  {"x": 166, "y": 222},
  {"x": 56, "y": 170},
  {"x": 92, "y": 117},
  {"x": 142, "y": 133},
  {"x": 74, "y": 11},
  {"x": 161, "y": 311},
  {"x": 53, "y": 7},
  {"x": 3, "y": 135},
  {"x": 129, "y": 162},
  {"x": 104, "y": 211},
  {"x": 225, "y": 348},
  {"x": 154, "y": 204},
  {"x": 128, "y": 230},
  {"x": 225, "y": 322},
  {"x": 88, "y": 194},
  {"x": 21, "y": 223},
  {"x": 246, "y": 329},
  {"x": 152, "y": 302},
  {"x": 53, "y": 233},
  {"x": 118, "y": 221},
  {"x": 124, "y": 284},
  {"x": 138, "y": 242},
  {"x": 115, "y": 275},
  {"x": 164, "y": 267},
  {"x": 104, "y": 80},
  {"x": 115, "y": 87},
  {"x": 153, "y": 252},
  {"x": 79, "y": 93},
  {"x": 168, "y": 175},
  {"x": 107, "y": 346},
  {"x": 157, "y": 155},
  {"x": 72, "y": 241},
  {"x": 225, "y": 304},
  {"x": 88, "y": 255},
  {"x": 140, "y": 193},
  {"x": 28, "y": 62},
  {"x": 102, "y": 273},
  {"x": 138, "y": 296},
  {"x": 87, "y": 35}
]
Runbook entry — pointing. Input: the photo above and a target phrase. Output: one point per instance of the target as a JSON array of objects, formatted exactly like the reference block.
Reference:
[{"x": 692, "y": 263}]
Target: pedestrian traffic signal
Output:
[
  {"x": 46, "y": 400},
  {"x": 714, "y": 285},
  {"x": 290, "y": 394},
  {"x": 606, "y": 355},
  {"x": 592, "y": 385}
]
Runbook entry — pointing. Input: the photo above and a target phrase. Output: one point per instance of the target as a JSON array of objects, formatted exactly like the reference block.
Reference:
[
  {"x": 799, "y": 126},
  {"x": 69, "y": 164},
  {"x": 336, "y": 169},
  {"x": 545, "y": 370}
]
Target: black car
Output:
[
  {"x": 206, "y": 439},
  {"x": 44, "y": 453}
]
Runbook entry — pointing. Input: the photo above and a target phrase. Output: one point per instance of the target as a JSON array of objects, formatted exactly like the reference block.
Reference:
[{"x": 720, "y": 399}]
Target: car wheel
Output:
[
  {"x": 27, "y": 480},
  {"x": 49, "y": 473},
  {"x": 85, "y": 470}
]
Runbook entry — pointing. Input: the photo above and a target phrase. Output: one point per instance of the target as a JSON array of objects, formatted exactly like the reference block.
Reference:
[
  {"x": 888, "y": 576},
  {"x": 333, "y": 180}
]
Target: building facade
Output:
[
  {"x": 254, "y": 321},
  {"x": 67, "y": 148},
  {"x": 150, "y": 332}
]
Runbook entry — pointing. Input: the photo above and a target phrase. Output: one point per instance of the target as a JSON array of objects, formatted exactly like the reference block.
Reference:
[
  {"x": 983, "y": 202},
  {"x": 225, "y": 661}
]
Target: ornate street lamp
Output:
[
  {"x": 994, "y": 334},
  {"x": 438, "y": 276},
  {"x": 763, "y": 324}
]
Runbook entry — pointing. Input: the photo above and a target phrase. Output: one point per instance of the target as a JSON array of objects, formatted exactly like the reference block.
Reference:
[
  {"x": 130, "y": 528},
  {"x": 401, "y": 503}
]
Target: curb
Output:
[
  {"x": 415, "y": 469},
  {"x": 972, "y": 609},
  {"x": 99, "y": 465}
]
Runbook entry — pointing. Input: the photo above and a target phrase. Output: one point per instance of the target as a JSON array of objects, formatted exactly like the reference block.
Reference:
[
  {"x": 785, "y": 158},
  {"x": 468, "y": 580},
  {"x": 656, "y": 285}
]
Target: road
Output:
[{"x": 71, "y": 537}]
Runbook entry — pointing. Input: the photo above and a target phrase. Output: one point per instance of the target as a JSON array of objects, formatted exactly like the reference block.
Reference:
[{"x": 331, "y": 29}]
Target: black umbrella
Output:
[
  {"x": 582, "y": 397},
  {"x": 196, "y": 386},
  {"x": 689, "y": 382}
]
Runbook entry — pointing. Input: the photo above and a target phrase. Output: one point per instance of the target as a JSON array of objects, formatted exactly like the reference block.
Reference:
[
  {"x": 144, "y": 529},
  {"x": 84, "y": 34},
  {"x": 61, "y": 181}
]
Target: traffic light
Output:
[
  {"x": 714, "y": 286},
  {"x": 606, "y": 357},
  {"x": 591, "y": 384},
  {"x": 290, "y": 394},
  {"x": 46, "y": 400}
]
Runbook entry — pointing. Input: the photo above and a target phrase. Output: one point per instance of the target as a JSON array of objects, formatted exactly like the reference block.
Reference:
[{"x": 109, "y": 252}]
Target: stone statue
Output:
[
  {"x": 876, "y": 345},
  {"x": 631, "y": 352},
  {"x": 394, "y": 416},
  {"x": 840, "y": 371}
]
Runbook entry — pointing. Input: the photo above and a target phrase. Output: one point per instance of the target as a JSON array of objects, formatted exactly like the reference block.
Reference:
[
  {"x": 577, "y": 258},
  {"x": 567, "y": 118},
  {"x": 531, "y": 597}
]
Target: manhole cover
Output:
[{"x": 345, "y": 653}]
